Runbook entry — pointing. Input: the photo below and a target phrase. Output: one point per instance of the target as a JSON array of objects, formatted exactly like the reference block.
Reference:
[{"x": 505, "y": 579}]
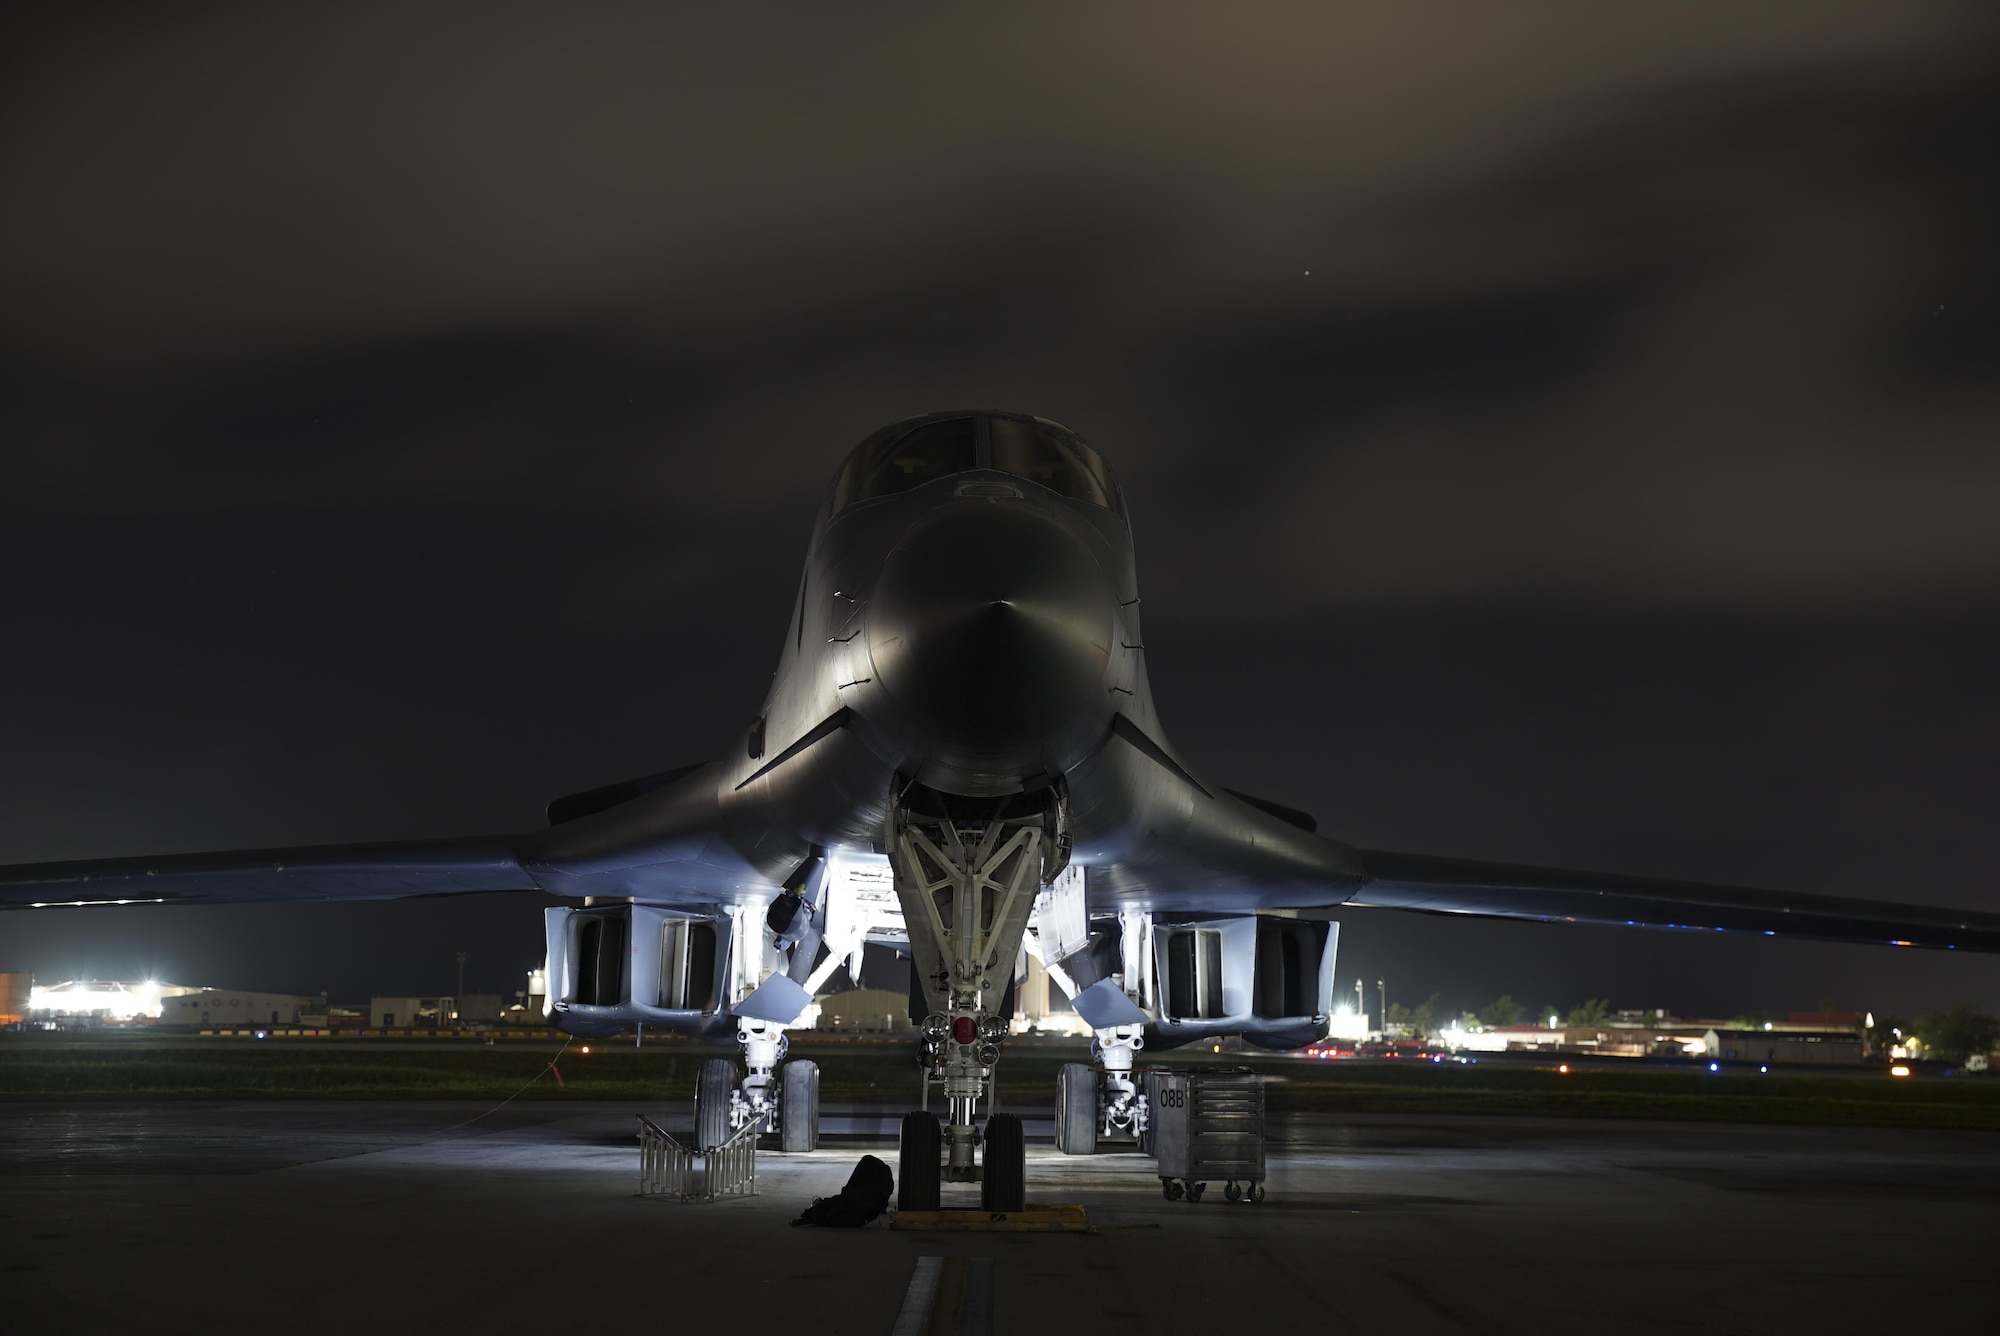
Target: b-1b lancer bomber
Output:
[{"x": 959, "y": 758}]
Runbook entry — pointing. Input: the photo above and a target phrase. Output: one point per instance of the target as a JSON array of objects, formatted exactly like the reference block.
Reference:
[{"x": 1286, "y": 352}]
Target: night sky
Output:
[{"x": 1553, "y": 434}]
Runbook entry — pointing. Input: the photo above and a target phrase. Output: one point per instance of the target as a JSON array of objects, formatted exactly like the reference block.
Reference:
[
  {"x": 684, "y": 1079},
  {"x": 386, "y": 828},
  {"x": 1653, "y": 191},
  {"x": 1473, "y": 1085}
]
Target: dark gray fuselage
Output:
[{"x": 980, "y": 635}]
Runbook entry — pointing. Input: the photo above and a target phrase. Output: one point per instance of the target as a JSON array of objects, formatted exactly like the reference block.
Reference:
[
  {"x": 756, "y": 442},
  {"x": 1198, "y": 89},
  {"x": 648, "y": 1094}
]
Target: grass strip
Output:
[{"x": 886, "y": 1075}]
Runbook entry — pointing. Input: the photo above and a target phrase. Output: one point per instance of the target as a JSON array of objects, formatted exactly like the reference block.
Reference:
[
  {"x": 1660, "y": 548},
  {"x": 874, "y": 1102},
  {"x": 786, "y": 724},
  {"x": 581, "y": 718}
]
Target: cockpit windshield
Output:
[
  {"x": 910, "y": 454},
  {"x": 1053, "y": 456},
  {"x": 897, "y": 459}
]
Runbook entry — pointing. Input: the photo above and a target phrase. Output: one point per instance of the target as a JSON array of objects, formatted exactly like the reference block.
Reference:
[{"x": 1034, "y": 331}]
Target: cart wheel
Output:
[
  {"x": 1170, "y": 1189},
  {"x": 1231, "y": 1191},
  {"x": 1195, "y": 1190},
  {"x": 1256, "y": 1192}
]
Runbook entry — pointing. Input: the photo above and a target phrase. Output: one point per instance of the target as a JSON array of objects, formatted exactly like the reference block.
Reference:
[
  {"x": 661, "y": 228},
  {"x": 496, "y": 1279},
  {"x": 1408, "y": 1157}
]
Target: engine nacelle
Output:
[
  {"x": 611, "y": 967},
  {"x": 1265, "y": 978}
]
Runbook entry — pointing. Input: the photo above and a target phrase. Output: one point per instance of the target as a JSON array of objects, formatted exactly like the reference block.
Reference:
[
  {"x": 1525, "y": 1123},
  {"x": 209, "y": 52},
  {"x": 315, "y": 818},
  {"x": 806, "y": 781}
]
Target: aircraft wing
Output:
[
  {"x": 1501, "y": 890},
  {"x": 332, "y": 872}
]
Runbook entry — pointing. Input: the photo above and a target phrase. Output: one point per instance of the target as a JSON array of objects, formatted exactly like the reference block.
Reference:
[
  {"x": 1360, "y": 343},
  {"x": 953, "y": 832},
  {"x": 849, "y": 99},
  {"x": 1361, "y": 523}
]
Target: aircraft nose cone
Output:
[{"x": 991, "y": 628}]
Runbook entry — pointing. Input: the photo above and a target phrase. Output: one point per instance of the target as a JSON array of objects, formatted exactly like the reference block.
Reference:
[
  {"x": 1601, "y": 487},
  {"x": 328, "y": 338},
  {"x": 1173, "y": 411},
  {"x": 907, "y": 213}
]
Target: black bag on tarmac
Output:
[{"x": 866, "y": 1196}]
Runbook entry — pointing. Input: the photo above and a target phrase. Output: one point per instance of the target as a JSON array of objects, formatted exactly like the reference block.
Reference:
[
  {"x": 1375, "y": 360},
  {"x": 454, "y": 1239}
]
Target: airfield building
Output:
[{"x": 210, "y": 1007}]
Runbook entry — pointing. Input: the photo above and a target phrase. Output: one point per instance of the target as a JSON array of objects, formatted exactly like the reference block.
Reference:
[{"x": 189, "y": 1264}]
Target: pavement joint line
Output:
[{"x": 976, "y": 1313}]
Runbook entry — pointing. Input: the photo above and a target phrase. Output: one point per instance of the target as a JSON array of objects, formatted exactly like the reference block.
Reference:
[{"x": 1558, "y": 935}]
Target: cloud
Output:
[{"x": 412, "y": 417}]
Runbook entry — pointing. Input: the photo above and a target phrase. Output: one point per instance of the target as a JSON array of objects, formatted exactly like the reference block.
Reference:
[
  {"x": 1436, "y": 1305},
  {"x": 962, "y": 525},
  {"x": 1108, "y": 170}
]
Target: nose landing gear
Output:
[{"x": 967, "y": 881}]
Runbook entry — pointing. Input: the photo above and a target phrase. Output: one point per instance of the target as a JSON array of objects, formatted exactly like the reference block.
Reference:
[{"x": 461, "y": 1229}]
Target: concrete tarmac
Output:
[{"x": 346, "y": 1217}]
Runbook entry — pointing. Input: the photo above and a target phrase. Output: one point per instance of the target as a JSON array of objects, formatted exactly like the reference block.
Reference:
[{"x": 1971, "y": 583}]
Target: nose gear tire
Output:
[
  {"x": 1003, "y": 1184},
  {"x": 919, "y": 1176}
]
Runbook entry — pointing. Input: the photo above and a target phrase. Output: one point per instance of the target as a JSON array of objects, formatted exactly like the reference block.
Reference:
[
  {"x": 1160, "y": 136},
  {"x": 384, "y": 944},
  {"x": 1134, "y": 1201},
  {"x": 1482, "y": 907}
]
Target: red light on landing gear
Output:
[{"x": 964, "y": 1030}]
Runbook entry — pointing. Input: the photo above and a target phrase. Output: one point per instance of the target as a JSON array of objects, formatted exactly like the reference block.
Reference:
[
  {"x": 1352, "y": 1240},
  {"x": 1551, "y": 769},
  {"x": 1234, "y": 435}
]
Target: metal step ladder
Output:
[{"x": 669, "y": 1169}]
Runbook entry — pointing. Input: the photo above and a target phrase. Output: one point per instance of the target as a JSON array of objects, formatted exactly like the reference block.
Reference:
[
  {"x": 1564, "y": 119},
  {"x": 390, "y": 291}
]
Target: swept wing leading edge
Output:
[
  {"x": 1501, "y": 890},
  {"x": 328, "y": 872}
]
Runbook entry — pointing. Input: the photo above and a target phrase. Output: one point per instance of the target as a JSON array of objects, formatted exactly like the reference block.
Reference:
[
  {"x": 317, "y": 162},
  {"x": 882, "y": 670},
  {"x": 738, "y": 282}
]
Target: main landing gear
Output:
[
  {"x": 1104, "y": 1099},
  {"x": 774, "y": 1096},
  {"x": 967, "y": 874}
]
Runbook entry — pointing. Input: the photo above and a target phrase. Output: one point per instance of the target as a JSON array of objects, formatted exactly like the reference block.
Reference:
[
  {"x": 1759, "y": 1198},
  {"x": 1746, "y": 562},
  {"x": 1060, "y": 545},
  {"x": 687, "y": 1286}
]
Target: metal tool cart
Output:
[{"x": 1208, "y": 1127}]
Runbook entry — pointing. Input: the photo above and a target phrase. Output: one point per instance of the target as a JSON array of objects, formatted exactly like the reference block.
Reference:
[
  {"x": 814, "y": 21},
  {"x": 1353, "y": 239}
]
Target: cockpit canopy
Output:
[{"x": 920, "y": 450}]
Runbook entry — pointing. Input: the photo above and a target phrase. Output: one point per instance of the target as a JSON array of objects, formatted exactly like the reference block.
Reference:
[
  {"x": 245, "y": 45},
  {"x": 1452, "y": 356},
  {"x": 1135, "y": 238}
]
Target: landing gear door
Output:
[
  {"x": 1062, "y": 915},
  {"x": 861, "y": 906},
  {"x": 555, "y": 928}
]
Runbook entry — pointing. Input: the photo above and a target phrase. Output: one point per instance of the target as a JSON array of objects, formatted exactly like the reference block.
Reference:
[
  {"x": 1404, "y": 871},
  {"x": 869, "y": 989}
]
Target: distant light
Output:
[
  {"x": 1555, "y": 1022},
  {"x": 80, "y": 904},
  {"x": 1899, "y": 1070},
  {"x": 1564, "y": 1069},
  {"x": 1895, "y": 941},
  {"x": 1764, "y": 1069},
  {"x": 586, "y": 1048},
  {"x": 1767, "y": 1025},
  {"x": 1715, "y": 1066}
]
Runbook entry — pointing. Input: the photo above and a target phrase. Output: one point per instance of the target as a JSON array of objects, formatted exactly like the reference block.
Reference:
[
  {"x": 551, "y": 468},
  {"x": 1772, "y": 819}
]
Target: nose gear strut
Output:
[{"x": 967, "y": 874}]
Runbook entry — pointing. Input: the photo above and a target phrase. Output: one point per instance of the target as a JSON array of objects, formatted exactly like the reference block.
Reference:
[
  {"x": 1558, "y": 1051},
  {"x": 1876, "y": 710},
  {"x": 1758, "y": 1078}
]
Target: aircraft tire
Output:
[
  {"x": 1076, "y": 1109},
  {"x": 712, "y": 1088},
  {"x": 798, "y": 1107},
  {"x": 919, "y": 1175},
  {"x": 1003, "y": 1182}
]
